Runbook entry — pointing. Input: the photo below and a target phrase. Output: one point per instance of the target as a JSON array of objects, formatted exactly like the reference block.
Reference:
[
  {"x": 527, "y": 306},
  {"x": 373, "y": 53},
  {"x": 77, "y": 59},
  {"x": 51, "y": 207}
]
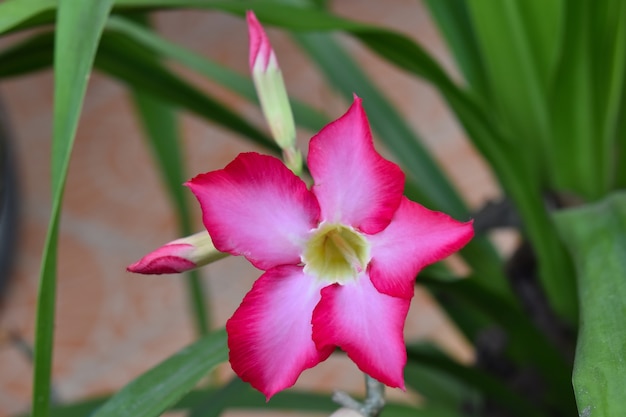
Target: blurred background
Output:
[{"x": 111, "y": 325}]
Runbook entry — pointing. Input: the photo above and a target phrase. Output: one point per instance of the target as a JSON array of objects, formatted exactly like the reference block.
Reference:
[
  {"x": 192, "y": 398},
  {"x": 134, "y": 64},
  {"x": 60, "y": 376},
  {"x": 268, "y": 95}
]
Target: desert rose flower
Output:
[{"x": 339, "y": 259}]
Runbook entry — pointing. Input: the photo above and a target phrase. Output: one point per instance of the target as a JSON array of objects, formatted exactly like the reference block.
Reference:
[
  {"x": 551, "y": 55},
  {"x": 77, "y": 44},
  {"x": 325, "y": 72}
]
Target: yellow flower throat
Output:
[{"x": 336, "y": 253}]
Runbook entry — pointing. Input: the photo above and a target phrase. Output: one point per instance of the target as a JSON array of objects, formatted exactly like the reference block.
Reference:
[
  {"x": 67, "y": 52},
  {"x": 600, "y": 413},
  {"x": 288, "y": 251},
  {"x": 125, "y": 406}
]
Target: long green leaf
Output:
[
  {"x": 453, "y": 20},
  {"x": 15, "y": 12},
  {"x": 30, "y": 55},
  {"x": 304, "y": 115},
  {"x": 586, "y": 97},
  {"x": 437, "y": 387},
  {"x": 596, "y": 236},
  {"x": 164, "y": 385},
  {"x": 608, "y": 27},
  {"x": 79, "y": 28},
  {"x": 513, "y": 71},
  {"x": 215, "y": 404},
  {"x": 428, "y": 356},
  {"x": 572, "y": 104}
]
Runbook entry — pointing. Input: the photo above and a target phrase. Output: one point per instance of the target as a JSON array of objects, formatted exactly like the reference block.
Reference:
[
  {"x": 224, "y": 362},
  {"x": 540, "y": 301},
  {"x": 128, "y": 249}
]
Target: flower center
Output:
[{"x": 336, "y": 253}]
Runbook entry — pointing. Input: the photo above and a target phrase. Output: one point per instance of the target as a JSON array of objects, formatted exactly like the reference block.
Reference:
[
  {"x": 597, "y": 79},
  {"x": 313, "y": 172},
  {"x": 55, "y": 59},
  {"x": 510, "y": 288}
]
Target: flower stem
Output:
[{"x": 374, "y": 399}]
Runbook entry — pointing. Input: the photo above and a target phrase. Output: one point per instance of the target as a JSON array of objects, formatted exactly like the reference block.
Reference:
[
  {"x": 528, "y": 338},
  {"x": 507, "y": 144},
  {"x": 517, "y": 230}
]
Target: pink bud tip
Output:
[
  {"x": 165, "y": 260},
  {"x": 260, "y": 47}
]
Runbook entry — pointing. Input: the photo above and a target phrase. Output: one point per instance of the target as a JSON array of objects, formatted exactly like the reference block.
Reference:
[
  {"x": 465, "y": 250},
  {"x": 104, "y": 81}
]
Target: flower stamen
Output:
[{"x": 336, "y": 253}]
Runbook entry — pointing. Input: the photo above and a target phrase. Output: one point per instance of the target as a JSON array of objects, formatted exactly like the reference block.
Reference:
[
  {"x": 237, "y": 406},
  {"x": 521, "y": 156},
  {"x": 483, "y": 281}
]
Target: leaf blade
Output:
[
  {"x": 164, "y": 385},
  {"x": 79, "y": 30},
  {"x": 596, "y": 236}
]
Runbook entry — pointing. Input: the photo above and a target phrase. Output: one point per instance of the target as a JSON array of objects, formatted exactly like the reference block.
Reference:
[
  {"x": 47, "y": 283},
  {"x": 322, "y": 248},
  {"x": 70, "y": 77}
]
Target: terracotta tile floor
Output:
[{"x": 111, "y": 325}]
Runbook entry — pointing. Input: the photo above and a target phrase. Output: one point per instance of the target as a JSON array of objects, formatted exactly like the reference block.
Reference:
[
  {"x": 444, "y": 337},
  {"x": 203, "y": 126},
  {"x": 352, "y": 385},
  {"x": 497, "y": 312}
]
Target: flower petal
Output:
[
  {"x": 415, "y": 238},
  {"x": 269, "y": 335},
  {"x": 353, "y": 183},
  {"x": 168, "y": 259},
  {"x": 256, "y": 207},
  {"x": 367, "y": 325}
]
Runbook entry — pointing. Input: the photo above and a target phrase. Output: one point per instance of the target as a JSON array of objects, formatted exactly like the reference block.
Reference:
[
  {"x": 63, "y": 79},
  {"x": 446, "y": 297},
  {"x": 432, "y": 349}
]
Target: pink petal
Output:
[
  {"x": 353, "y": 183},
  {"x": 168, "y": 259},
  {"x": 261, "y": 51},
  {"x": 367, "y": 325},
  {"x": 415, "y": 238},
  {"x": 258, "y": 208},
  {"x": 269, "y": 335}
]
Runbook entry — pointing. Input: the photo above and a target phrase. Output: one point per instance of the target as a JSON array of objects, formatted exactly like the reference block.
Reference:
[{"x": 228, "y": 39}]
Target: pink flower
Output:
[{"x": 340, "y": 259}]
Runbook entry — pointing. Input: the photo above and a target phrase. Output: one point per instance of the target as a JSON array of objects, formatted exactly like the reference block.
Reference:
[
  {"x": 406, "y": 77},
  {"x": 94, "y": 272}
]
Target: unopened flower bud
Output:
[
  {"x": 270, "y": 86},
  {"x": 179, "y": 256}
]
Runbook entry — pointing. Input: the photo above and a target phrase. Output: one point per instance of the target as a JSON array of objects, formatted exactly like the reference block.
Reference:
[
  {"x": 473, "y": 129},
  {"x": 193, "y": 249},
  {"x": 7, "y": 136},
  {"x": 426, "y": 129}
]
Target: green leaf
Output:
[
  {"x": 572, "y": 104},
  {"x": 610, "y": 75},
  {"x": 586, "y": 97},
  {"x": 429, "y": 356},
  {"x": 512, "y": 67},
  {"x": 161, "y": 387},
  {"x": 437, "y": 387},
  {"x": 596, "y": 237},
  {"x": 304, "y": 115},
  {"x": 32, "y": 54},
  {"x": 79, "y": 28},
  {"x": 15, "y": 12},
  {"x": 453, "y": 20},
  {"x": 215, "y": 404}
]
